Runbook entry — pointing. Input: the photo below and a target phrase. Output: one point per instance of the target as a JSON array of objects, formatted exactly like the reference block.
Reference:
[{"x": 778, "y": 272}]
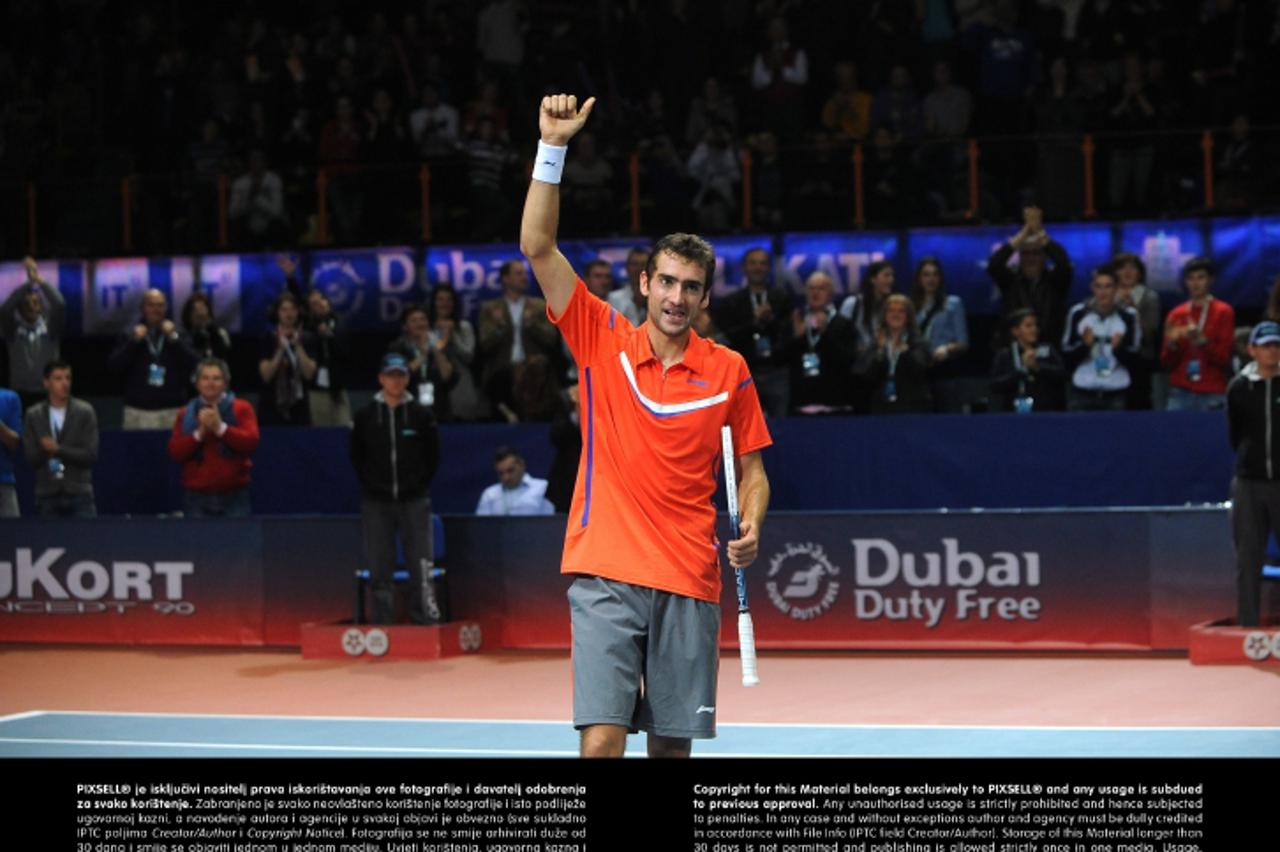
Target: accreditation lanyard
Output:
[
  {"x": 1204, "y": 315},
  {"x": 813, "y": 337},
  {"x": 893, "y": 357},
  {"x": 156, "y": 346}
]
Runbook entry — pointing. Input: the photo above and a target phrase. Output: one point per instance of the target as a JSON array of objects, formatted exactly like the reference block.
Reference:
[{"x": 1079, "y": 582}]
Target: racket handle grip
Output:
[{"x": 747, "y": 649}]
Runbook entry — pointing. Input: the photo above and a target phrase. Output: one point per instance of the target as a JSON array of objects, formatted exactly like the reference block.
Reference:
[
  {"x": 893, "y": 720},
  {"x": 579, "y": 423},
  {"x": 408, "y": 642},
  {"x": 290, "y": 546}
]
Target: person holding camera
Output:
[
  {"x": 213, "y": 438},
  {"x": 285, "y": 367}
]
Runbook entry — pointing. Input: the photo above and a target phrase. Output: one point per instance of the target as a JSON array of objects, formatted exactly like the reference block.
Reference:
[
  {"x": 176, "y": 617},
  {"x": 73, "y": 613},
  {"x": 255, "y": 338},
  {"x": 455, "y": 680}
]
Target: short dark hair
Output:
[
  {"x": 688, "y": 247},
  {"x": 1015, "y": 318},
  {"x": 273, "y": 312},
  {"x": 599, "y": 262},
  {"x": 415, "y": 308},
  {"x": 1198, "y": 264},
  {"x": 56, "y": 364},
  {"x": 1126, "y": 257},
  {"x": 223, "y": 366},
  {"x": 507, "y": 266},
  {"x": 506, "y": 451},
  {"x": 753, "y": 250}
]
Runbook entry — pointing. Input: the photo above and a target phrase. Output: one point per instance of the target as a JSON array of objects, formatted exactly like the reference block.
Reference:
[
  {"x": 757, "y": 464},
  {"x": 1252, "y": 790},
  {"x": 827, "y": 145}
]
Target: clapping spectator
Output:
[
  {"x": 204, "y": 336},
  {"x": 895, "y": 367},
  {"x": 256, "y": 210},
  {"x": 820, "y": 351},
  {"x": 1027, "y": 375},
  {"x": 1101, "y": 344},
  {"x": 213, "y": 438},
  {"x": 32, "y": 321},
  {"x": 155, "y": 364},
  {"x": 285, "y": 366},
  {"x": 1197, "y": 343}
]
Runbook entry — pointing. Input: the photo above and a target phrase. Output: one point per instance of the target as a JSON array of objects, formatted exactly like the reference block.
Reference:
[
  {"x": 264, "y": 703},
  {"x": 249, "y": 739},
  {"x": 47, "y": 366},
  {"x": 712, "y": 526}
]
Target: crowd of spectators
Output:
[{"x": 268, "y": 95}]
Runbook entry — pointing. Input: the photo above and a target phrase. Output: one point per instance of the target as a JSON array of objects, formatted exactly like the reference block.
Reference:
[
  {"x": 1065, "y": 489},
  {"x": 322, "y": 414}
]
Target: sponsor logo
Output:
[
  {"x": 469, "y": 638},
  {"x": 1164, "y": 258},
  {"x": 353, "y": 642},
  {"x": 43, "y": 582},
  {"x": 341, "y": 285},
  {"x": 376, "y": 642},
  {"x": 1257, "y": 644},
  {"x": 702, "y": 708},
  {"x": 802, "y": 581}
]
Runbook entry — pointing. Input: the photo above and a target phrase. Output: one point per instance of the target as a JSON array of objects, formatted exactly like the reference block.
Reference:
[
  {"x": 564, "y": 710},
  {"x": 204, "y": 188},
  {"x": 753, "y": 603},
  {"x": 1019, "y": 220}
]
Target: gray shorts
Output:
[{"x": 644, "y": 659}]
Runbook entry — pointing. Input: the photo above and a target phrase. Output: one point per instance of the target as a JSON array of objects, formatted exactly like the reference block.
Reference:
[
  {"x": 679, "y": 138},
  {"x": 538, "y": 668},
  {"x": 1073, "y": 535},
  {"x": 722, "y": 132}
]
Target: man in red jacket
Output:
[
  {"x": 213, "y": 437},
  {"x": 1198, "y": 335}
]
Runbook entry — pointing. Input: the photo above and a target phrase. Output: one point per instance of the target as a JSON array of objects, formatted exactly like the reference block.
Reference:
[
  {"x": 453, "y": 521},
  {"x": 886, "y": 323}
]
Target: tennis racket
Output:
[{"x": 746, "y": 630}]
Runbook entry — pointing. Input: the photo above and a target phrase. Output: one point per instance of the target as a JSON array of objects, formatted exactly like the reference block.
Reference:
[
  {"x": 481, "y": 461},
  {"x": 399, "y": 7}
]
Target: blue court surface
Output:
[{"x": 72, "y": 734}]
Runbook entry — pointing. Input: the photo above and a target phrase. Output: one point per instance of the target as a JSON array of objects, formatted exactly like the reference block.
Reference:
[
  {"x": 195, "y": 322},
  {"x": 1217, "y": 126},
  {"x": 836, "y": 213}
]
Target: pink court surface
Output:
[{"x": 797, "y": 688}]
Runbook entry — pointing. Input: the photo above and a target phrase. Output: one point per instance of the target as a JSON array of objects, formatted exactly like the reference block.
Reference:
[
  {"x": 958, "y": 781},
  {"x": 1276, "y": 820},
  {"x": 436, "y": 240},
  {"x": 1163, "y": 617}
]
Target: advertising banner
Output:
[
  {"x": 843, "y": 256},
  {"x": 369, "y": 288}
]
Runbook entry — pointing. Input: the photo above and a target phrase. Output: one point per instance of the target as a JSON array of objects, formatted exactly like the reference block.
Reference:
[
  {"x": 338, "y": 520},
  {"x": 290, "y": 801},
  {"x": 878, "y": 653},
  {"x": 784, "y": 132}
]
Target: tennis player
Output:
[{"x": 645, "y": 604}]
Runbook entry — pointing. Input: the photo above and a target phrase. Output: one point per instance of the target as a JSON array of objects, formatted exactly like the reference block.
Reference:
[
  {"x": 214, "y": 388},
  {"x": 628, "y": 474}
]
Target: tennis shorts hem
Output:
[{"x": 611, "y": 720}]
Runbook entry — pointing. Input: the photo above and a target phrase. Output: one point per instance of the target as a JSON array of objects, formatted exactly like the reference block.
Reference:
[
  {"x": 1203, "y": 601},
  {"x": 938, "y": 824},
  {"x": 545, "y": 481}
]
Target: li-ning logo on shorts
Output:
[
  {"x": 702, "y": 708},
  {"x": 802, "y": 581}
]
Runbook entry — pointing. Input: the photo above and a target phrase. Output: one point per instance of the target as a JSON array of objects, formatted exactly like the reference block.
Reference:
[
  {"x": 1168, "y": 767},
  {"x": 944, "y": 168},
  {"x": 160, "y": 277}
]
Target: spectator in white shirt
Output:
[{"x": 515, "y": 492}]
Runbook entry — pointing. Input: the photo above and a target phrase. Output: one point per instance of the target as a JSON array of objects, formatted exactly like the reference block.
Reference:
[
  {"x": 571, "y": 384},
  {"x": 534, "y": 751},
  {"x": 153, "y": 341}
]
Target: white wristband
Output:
[{"x": 549, "y": 163}]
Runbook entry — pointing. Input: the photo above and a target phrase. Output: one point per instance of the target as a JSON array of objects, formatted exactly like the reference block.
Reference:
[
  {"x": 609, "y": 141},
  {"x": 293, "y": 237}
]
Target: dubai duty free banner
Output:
[
  {"x": 951, "y": 580},
  {"x": 110, "y": 580}
]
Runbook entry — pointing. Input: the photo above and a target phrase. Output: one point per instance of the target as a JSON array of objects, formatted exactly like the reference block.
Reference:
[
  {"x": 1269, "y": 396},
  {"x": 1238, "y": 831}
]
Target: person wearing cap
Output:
[
  {"x": 1253, "y": 421},
  {"x": 395, "y": 450}
]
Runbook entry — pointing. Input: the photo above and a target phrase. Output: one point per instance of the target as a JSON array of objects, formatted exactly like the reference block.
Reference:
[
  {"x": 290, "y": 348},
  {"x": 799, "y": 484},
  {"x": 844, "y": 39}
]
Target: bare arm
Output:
[
  {"x": 559, "y": 119},
  {"x": 753, "y": 501}
]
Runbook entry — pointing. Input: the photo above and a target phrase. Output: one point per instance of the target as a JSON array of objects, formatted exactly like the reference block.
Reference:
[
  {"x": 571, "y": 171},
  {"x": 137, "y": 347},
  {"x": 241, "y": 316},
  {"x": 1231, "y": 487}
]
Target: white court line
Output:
[
  {"x": 282, "y": 747},
  {"x": 30, "y": 714},
  {"x": 824, "y": 725}
]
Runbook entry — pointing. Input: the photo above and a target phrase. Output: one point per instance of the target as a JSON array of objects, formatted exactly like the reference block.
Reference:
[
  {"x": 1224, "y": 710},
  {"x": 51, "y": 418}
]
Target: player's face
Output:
[
  {"x": 210, "y": 383},
  {"x": 677, "y": 293}
]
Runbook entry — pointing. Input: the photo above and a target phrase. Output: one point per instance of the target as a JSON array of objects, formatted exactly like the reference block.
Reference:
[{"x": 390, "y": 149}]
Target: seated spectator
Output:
[
  {"x": 455, "y": 342},
  {"x": 1101, "y": 344},
  {"x": 10, "y": 438},
  {"x": 488, "y": 157},
  {"x": 431, "y": 372},
  {"x": 1027, "y": 375},
  {"x": 895, "y": 192},
  {"x": 756, "y": 319},
  {"x": 941, "y": 321},
  {"x": 1197, "y": 343},
  {"x": 515, "y": 492},
  {"x": 897, "y": 107},
  {"x": 714, "y": 106},
  {"x": 895, "y": 368},
  {"x": 155, "y": 363},
  {"x": 32, "y": 320},
  {"x": 1131, "y": 280},
  {"x": 204, "y": 336},
  {"x": 213, "y": 438},
  {"x": 820, "y": 351},
  {"x": 848, "y": 109},
  {"x": 1033, "y": 284},
  {"x": 587, "y": 188},
  {"x": 60, "y": 440},
  {"x": 256, "y": 209},
  {"x": 863, "y": 308},
  {"x": 395, "y": 450},
  {"x": 285, "y": 366},
  {"x": 628, "y": 300},
  {"x": 598, "y": 276},
  {"x": 779, "y": 76}
]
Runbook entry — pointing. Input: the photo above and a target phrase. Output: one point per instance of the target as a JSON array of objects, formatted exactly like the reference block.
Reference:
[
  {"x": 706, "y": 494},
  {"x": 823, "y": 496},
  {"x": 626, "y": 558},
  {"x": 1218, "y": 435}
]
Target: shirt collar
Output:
[{"x": 639, "y": 349}]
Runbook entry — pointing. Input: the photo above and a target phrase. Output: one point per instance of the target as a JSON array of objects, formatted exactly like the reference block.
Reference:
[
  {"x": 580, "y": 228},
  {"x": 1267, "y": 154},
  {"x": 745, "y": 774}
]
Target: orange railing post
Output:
[
  {"x": 859, "y": 203},
  {"x": 424, "y": 188},
  {"x": 1087, "y": 149},
  {"x": 222, "y": 212},
  {"x": 633, "y": 168},
  {"x": 322, "y": 207},
  {"x": 746, "y": 189},
  {"x": 1206, "y": 145},
  {"x": 126, "y": 211},
  {"x": 33, "y": 227},
  {"x": 972, "y": 213}
]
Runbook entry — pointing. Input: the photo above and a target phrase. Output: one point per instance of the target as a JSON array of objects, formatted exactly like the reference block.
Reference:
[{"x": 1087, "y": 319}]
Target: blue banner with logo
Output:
[
  {"x": 369, "y": 288},
  {"x": 843, "y": 256},
  {"x": 1165, "y": 247}
]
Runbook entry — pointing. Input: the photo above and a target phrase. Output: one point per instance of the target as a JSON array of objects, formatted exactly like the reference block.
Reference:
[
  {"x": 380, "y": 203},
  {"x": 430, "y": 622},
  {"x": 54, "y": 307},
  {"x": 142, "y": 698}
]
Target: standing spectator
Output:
[
  {"x": 1101, "y": 343},
  {"x": 32, "y": 320},
  {"x": 204, "y": 336},
  {"x": 780, "y": 76},
  {"x": 712, "y": 107},
  {"x": 895, "y": 367},
  {"x": 10, "y": 438},
  {"x": 1034, "y": 284},
  {"x": 512, "y": 329},
  {"x": 863, "y": 308},
  {"x": 212, "y": 439},
  {"x": 256, "y": 209},
  {"x": 340, "y": 154},
  {"x": 285, "y": 366},
  {"x": 515, "y": 492},
  {"x": 488, "y": 156},
  {"x": 1135, "y": 118},
  {"x": 155, "y": 363},
  {"x": 434, "y": 125},
  {"x": 431, "y": 373},
  {"x": 328, "y": 343},
  {"x": 713, "y": 166},
  {"x": 756, "y": 319},
  {"x": 454, "y": 339},
  {"x": 1027, "y": 375},
  {"x": 628, "y": 300},
  {"x": 395, "y": 450},
  {"x": 588, "y": 188},
  {"x": 1255, "y": 492},
  {"x": 1131, "y": 278},
  {"x": 1197, "y": 343},
  {"x": 500, "y": 35},
  {"x": 60, "y": 439},
  {"x": 1059, "y": 117},
  {"x": 941, "y": 320},
  {"x": 897, "y": 107},
  {"x": 820, "y": 351}
]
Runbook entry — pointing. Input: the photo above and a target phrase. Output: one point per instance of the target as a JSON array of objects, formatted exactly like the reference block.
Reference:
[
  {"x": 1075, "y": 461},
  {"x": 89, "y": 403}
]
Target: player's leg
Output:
[
  {"x": 681, "y": 667},
  {"x": 609, "y": 623}
]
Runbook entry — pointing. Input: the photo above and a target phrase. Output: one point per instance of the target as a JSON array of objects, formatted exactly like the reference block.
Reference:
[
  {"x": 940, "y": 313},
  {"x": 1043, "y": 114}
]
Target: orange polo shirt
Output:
[{"x": 642, "y": 508}]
